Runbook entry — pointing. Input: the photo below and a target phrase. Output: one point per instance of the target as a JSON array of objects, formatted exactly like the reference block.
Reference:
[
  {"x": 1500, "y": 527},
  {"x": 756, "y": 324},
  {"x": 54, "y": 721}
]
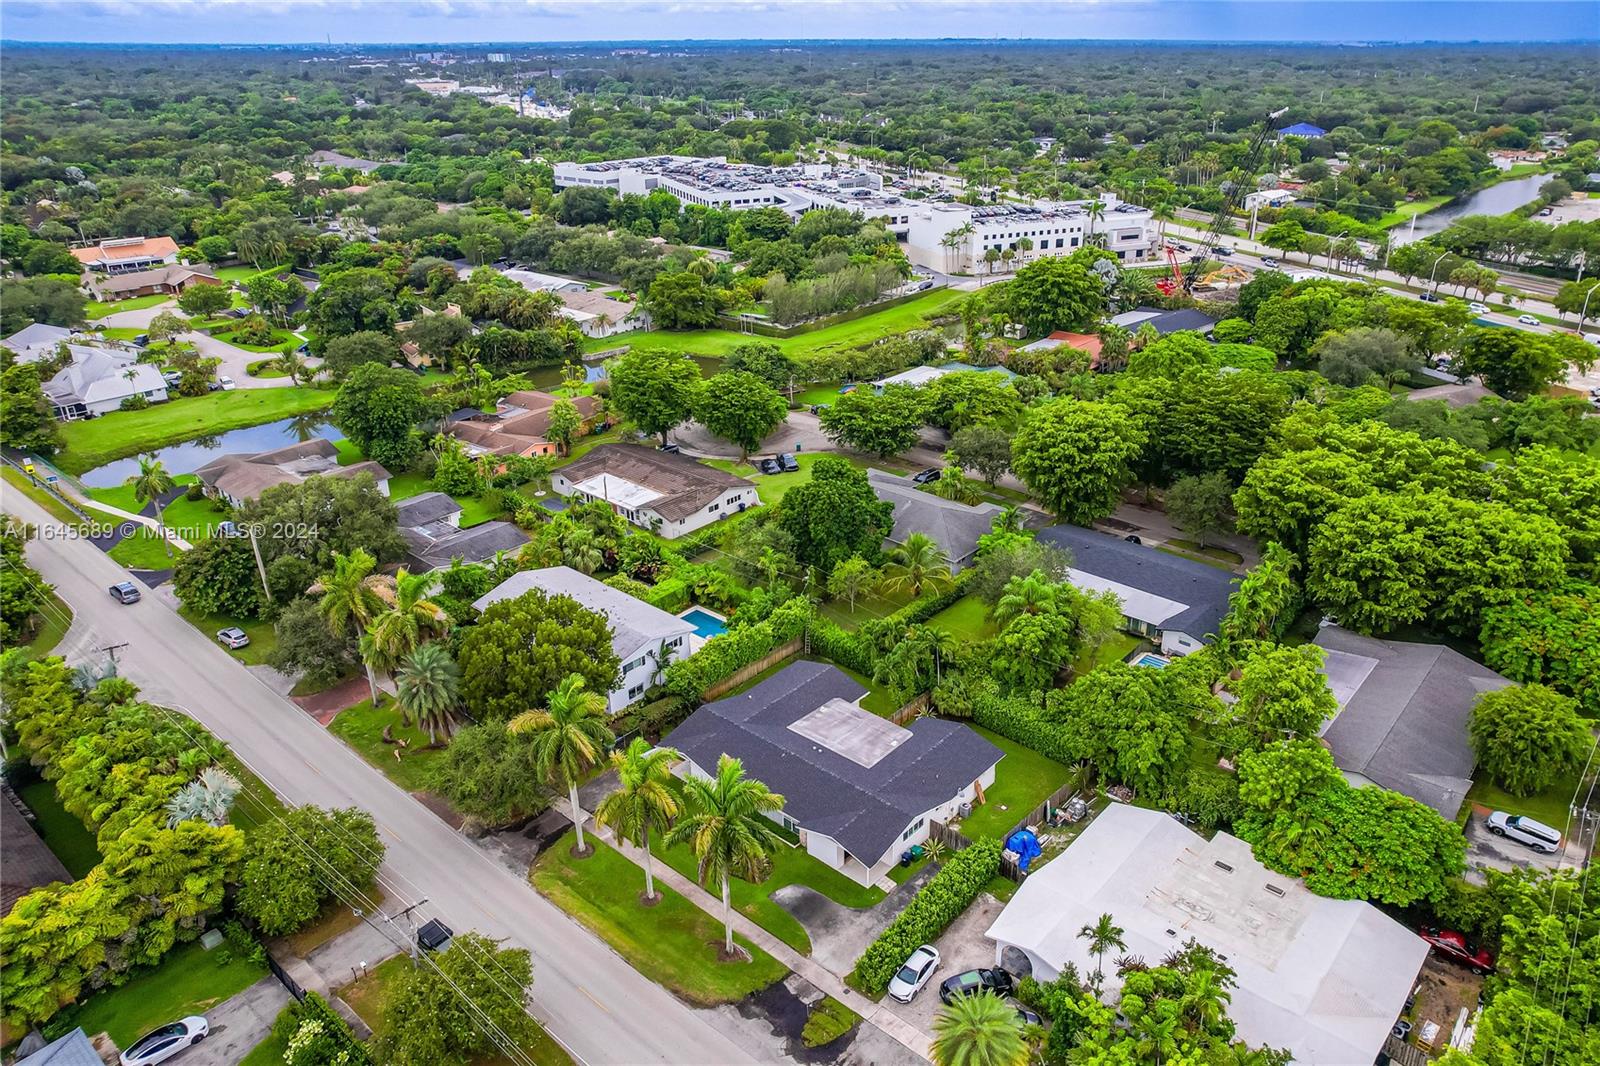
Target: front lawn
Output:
[
  {"x": 92, "y": 441},
  {"x": 1550, "y": 806},
  {"x": 100, "y": 308},
  {"x": 770, "y": 487},
  {"x": 190, "y": 980},
  {"x": 263, "y": 638},
  {"x": 280, "y": 337},
  {"x": 361, "y": 727},
  {"x": 967, "y": 620},
  {"x": 194, "y": 519},
  {"x": 674, "y": 943},
  {"x": 56, "y": 619},
  {"x": 145, "y": 550},
  {"x": 1023, "y": 780},
  {"x": 61, "y": 831}
]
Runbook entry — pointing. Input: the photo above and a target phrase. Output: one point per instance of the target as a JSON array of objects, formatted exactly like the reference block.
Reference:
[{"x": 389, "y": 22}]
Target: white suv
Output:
[{"x": 1535, "y": 835}]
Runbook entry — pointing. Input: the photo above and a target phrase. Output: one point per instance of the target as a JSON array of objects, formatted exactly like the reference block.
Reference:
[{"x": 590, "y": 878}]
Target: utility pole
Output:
[
  {"x": 111, "y": 652},
  {"x": 261, "y": 568},
  {"x": 416, "y": 949}
]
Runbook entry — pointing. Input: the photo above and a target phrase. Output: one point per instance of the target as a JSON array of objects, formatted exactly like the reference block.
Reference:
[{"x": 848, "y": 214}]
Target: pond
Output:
[
  {"x": 549, "y": 377},
  {"x": 1494, "y": 200},
  {"x": 191, "y": 455}
]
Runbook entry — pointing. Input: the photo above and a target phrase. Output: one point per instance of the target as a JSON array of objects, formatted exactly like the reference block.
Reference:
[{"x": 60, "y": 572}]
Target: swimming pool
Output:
[
  {"x": 1152, "y": 659},
  {"x": 706, "y": 625}
]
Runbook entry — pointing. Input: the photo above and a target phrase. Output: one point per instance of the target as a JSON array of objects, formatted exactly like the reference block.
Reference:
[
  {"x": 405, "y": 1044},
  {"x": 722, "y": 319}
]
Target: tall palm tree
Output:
[
  {"x": 726, "y": 825},
  {"x": 1156, "y": 1036},
  {"x": 407, "y": 619},
  {"x": 349, "y": 600},
  {"x": 917, "y": 564},
  {"x": 569, "y": 736},
  {"x": 429, "y": 687},
  {"x": 642, "y": 801},
  {"x": 1103, "y": 936},
  {"x": 1097, "y": 210},
  {"x": 979, "y": 1030},
  {"x": 150, "y": 484},
  {"x": 1030, "y": 594},
  {"x": 1204, "y": 1001}
]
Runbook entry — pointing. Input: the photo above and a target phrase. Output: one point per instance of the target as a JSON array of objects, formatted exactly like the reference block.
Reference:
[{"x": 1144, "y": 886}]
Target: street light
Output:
[
  {"x": 1334, "y": 244},
  {"x": 1584, "y": 311},
  {"x": 1436, "y": 262}
]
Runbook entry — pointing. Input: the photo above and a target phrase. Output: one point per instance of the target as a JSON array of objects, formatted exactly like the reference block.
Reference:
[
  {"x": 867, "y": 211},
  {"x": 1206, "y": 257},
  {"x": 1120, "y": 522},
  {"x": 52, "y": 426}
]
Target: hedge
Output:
[
  {"x": 727, "y": 653},
  {"x": 1021, "y": 718},
  {"x": 832, "y": 641},
  {"x": 670, "y": 594},
  {"x": 929, "y": 914},
  {"x": 917, "y": 611}
]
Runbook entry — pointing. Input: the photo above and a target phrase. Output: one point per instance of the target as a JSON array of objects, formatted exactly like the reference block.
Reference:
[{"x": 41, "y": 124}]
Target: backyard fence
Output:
[
  {"x": 1058, "y": 798},
  {"x": 917, "y": 706},
  {"x": 745, "y": 673},
  {"x": 953, "y": 839}
]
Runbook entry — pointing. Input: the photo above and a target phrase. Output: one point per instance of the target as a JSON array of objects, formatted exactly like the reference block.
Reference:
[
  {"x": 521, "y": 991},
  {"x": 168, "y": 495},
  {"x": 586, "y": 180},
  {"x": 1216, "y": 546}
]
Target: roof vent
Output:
[
  {"x": 1172, "y": 932},
  {"x": 1224, "y": 867},
  {"x": 1275, "y": 890}
]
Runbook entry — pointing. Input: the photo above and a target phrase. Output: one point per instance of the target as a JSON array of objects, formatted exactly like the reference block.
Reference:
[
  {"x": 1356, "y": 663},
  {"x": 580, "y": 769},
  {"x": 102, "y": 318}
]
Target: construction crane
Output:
[{"x": 1232, "y": 196}]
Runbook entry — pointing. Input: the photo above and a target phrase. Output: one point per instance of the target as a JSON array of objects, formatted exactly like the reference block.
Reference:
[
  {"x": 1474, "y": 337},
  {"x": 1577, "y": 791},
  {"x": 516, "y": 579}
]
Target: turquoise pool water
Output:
[
  {"x": 706, "y": 624},
  {"x": 1151, "y": 659}
]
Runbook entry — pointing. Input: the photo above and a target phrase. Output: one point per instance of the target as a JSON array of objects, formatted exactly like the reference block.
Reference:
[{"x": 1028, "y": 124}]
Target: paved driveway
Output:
[
  {"x": 235, "y": 361},
  {"x": 839, "y": 934},
  {"x": 799, "y": 433},
  {"x": 962, "y": 947},
  {"x": 238, "y": 1024},
  {"x": 1487, "y": 851}
]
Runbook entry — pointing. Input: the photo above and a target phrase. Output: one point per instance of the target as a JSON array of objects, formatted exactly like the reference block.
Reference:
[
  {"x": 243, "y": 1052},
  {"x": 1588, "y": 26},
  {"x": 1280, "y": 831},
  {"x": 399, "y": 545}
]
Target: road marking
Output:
[{"x": 596, "y": 1002}]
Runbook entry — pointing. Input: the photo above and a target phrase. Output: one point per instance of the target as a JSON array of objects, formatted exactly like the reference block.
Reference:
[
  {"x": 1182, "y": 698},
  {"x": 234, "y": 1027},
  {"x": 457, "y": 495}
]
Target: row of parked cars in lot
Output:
[{"x": 918, "y": 971}]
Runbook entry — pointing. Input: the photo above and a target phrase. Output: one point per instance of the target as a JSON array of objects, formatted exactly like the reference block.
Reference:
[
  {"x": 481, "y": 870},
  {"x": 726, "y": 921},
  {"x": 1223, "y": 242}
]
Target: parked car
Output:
[
  {"x": 1269, "y": 261},
  {"x": 972, "y": 982},
  {"x": 1430, "y": 298},
  {"x": 924, "y": 286},
  {"x": 434, "y": 935},
  {"x": 125, "y": 592},
  {"x": 1456, "y": 947},
  {"x": 669, "y": 448},
  {"x": 1026, "y": 1016},
  {"x": 1523, "y": 830},
  {"x": 818, "y": 408},
  {"x": 769, "y": 466},
  {"x": 233, "y": 637},
  {"x": 141, "y": 340},
  {"x": 790, "y": 464},
  {"x": 926, "y": 477},
  {"x": 1545, "y": 212},
  {"x": 226, "y": 383},
  {"x": 910, "y": 978},
  {"x": 1527, "y": 320},
  {"x": 172, "y": 377},
  {"x": 165, "y": 1042},
  {"x": 1478, "y": 308}
]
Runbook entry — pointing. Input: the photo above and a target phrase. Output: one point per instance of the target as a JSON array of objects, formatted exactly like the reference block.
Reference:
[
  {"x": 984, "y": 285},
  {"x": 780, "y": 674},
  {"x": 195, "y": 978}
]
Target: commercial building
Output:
[
  {"x": 1322, "y": 978},
  {"x": 859, "y": 789},
  {"x": 125, "y": 254},
  {"x": 957, "y": 237},
  {"x": 645, "y": 638},
  {"x": 238, "y": 478},
  {"x": 665, "y": 493}
]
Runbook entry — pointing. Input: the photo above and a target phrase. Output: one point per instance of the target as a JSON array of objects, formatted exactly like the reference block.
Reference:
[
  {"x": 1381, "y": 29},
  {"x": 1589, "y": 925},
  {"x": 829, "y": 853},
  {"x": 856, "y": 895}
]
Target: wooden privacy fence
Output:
[
  {"x": 745, "y": 673},
  {"x": 953, "y": 839},
  {"x": 917, "y": 705},
  {"x": 1058, "y": 798}
]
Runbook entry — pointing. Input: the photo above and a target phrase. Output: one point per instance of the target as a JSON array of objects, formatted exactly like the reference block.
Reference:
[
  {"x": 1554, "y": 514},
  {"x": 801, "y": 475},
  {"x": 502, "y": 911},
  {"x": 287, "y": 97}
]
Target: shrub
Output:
[
  {"x": 313, "y": 1034},
  {"x": 1020, "y": 718},
  {"x": 671, "y": 594},
  {"x": 195, "y": 492},
  {"x": 929, "y": 913},
  {"x": 724, "y": 655},
  {"x": 828, "y": 1021},
  {"x": 850, "y": 650}
]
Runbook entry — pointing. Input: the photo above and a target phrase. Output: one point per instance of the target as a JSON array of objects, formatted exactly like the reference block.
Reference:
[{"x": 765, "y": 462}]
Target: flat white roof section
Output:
[
  {"x": 1346, "y": 673},
  {"x": 618, "y": 491},
  {"x": 847, "y": 730},
  {"x": 1136, "y": 603}
]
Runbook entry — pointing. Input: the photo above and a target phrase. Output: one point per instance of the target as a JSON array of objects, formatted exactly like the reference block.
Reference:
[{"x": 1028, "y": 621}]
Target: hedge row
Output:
[
  {"x": 832, "y": 641},
  {"x": 723, "y": 655},
  {"x": 1020, "y": 718},
  {"x": 916, "y": 612},
  {"x": 929, "y": 913},
  {"x": 670, "y": 594}
]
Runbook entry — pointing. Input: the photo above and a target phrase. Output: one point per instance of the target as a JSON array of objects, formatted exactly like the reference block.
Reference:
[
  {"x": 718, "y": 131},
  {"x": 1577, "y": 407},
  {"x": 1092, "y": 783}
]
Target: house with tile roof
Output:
[
  {"x": 238, "y": 477},
  {"x": 666, "y": 493},
  {"x": 169, "y": 280},
  {"x": 121, "y": 255},
  {"x": 518, "y": 424},
  {"x": 859, "y": 789}
]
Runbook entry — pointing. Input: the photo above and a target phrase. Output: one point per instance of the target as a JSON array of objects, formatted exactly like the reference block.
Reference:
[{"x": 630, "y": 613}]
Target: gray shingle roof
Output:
[
  {"x": 1205, "y": 589},
  {"x": 425, "y": 508},
  {"x": 436, "y": 545},
  {"x": 26, "y": 862},
  {"x": 865, "y": 809},
  {"x": 955, "y": 526},
  {"x": 634, "y": 623},
  {"x": 1403, "y": 716},
  {"x": 685, "y": 485},
  {"x": 74, "y": 1049}
]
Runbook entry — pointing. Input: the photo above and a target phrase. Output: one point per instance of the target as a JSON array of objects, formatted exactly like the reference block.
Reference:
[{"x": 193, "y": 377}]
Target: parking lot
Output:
[
  {"x": 1487, "y": 851},
  {"x": 962, "y": 947},
  {"x": 1575, "y": 208}
]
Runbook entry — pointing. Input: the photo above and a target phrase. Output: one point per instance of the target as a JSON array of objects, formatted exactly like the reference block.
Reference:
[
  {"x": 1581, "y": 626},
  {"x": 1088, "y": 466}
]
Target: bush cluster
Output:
[
  {"x": 1020, "y": 718},
  {"x": 727, "y": 653},
  {"x": 929, "y": 913}
]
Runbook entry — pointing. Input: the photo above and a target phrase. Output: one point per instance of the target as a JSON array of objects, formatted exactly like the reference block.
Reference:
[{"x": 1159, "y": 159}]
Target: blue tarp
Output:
[{"x": 1026, "y": 845}]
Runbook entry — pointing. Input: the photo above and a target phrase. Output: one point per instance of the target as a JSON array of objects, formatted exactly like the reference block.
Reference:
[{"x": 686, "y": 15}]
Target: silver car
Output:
[
  {"x": 165, "y": 1042},
  {"x": 916, "y": 972}
]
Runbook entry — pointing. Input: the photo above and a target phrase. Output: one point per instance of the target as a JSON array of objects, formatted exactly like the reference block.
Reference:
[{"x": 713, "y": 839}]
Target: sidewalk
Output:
[
  {"x": 879, "y": 1017},
  {"x": 67, "y": 489}
]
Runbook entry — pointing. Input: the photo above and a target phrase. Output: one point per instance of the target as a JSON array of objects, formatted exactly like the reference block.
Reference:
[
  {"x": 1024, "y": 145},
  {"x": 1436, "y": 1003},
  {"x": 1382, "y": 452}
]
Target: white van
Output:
[{"x": 1523, "y": 830}]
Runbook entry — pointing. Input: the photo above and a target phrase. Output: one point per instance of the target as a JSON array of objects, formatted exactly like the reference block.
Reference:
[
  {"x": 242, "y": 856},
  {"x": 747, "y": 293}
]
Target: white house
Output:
[
  {"x": 1323, "y": 978},
  {"x": 859, "y": 789},
  {"x": 37, "y": 341},
  {"x": 238, "y": 477},
  {"x": 666, "y": 493},
  {"x": 98, "y": 380},
  {"x": 1165, "y": 597},
  {"x": 645, "y": 638},
  {"x": 1269, "y": 198}
]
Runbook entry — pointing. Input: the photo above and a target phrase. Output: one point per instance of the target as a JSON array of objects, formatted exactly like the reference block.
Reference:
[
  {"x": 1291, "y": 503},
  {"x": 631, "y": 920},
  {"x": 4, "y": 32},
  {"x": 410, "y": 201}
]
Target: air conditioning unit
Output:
[{"x": 965, "y": 809}]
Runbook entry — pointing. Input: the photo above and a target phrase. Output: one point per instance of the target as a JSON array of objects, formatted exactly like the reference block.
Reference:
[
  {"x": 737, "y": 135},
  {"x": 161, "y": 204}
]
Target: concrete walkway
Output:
[
  {"x": 70, "y": 491},
  {"x": 873, "y": 1014}
]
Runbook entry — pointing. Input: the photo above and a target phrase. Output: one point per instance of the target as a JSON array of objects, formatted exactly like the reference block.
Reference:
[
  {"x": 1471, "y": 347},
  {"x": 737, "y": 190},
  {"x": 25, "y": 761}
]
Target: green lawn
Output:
[
  {"x": 145, "y": 550},
  {"x": 896, "y": 320},
  {"x": 361, "y": 727},
  {"x": 263, "y": 638},
  {"x": 269, "y": 1052},
  {"x": 475, "y": 510},
  {"x": 99, "y": 308},
  {"x": 1403, "y": 212},
  {"x": 72, "y": 843},
  {"x": 1116, "y": 648},
  {"x": 190, "y": 980},
  {"x": 1022, "y": 781},
  {"x": 674, "y": 943},
  {"x": 866, "y": 608},
  {"x": 193, "y": 519},
  {"x": 57, "y": 620},
  {"x": 244, "y": 272},
  {"x": 1549, "y": 806},
  {"x": 770, "y": 487},
  {"x": 1209, "y": 560},
  {"x": 17, "y": 480},
  {"x": 92, "y": 441},
  {"x": 280, "y": 337},
  {"x": 967, "y": 620},
  {"x": 1212, "y": 551},
  {"x": 368, "y": 998}
]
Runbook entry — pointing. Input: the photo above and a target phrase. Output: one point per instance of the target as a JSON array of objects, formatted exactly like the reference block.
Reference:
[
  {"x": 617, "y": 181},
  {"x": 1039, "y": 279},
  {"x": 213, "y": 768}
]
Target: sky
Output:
[{"x": 452, "y": 21}]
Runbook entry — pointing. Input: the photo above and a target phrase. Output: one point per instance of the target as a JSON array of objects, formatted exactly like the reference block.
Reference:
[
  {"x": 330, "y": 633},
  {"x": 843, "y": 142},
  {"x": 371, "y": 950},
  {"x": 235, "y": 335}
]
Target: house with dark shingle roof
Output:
[
  {"x": 1170, "y": 599},
  {"x": 430, "y": 523},
  {"x": 665, "y": 493},
  {"x": 954, "y": 526},
  {"x": 1403, "y": 711},
  {"x": 858, "y": 789},
  {"x": 26, "y": 862}
]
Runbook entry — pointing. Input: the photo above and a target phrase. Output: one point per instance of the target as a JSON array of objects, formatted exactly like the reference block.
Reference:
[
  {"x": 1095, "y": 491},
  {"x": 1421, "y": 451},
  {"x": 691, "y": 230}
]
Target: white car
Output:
[
  {"x": 165, "y": 1042},
  {"x": 226, "y": 383},
  {"x": 916, "y": 972},
  {"x": 1478, "y": 309},
  {"x": 1527, "y": 320},
  {"x": 1525, "y": 831},
  {"x": 233, "y": 637}
]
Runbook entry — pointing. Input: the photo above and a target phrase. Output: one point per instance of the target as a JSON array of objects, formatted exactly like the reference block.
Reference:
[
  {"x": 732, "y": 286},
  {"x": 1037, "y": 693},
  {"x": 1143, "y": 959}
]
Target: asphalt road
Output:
[{"x": 601, "y": 1009}]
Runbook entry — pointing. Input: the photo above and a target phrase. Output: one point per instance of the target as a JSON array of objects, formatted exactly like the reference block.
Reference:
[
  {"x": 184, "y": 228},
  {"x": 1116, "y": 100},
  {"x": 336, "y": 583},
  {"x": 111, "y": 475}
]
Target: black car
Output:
[
  {"x": 768, "y": 466},
  {"x": 972, "y": 982},
  {"x": 125, "y": 592},
  {"x": 434, "y": 935},
  {"x": 818, "y": 408},
  {"x": 1430, "y": 298},
  {"x": 790, "y": 464},
  {"x": 1026, "y": 1016},
  {"x": 926, "y": 477}
]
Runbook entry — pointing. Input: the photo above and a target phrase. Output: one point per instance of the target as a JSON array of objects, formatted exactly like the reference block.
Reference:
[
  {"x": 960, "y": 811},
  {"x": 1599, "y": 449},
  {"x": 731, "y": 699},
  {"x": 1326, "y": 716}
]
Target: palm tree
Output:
[
  {"x": 1103, "y": 936},
  {"x": 1096, "y": 209},
  {"x": 569, "y": 736},
  {"x": 642, "y": 802},
  {"x": 581, "y": 551},
  {"x": 1030, "y": 594},
  {"x": 429, "y": 687},
  {"x": 727, "y": 827},
  {"x": 978, "y": 1030},
  {"x": 771, "y": 562},
  {"x": 291, "y": 364},
  {"x": 150, "y": 484},
  {"x": 409, "y": 618},
  {"x": 1204, "y": 1001},
  {"x": 1009, "y": 520},
  {"x": 349, "y": 601},
  {"x": 1156, "y": 1036},
  {"x": 919, "y": 563}
]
